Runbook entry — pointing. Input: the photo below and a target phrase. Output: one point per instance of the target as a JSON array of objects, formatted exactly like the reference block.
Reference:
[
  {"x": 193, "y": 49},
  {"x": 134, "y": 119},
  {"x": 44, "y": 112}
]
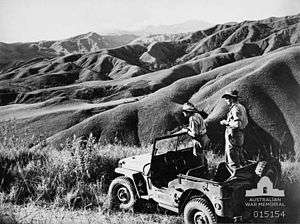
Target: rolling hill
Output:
[
  {"x": 17, "y": 53},
  {"x": 134, "y": 93}
]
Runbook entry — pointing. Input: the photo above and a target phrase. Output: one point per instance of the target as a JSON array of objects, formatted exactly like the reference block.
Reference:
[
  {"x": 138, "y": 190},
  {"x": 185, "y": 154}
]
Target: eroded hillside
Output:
[
  {"x": 134, "y": 93},
  {"x": 16, "y": 54}
]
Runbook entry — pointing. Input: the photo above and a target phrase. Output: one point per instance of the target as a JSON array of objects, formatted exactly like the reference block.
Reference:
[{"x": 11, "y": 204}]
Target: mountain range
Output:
[
  {"x": 16, "y": 53},
  {"x": 184, "y": 27},
  {"x": 133, "y": 93}
]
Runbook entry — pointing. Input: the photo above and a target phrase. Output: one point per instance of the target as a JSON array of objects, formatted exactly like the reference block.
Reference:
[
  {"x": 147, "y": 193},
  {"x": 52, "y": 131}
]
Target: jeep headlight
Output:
[{"x": 121, "y": 163}]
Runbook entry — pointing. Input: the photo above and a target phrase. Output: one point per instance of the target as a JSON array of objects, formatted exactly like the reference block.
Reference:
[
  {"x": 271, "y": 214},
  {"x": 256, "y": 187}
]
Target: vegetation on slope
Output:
[{"x": 44, "y": 181}]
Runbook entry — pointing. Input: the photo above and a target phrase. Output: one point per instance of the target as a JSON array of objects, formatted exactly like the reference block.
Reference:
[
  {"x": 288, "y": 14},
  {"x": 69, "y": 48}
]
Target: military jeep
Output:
[{"x": 179, "y": 181}]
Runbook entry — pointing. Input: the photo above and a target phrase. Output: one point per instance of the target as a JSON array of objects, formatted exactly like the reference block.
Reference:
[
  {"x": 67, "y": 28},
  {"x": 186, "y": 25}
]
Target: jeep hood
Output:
[{"x": 135, "y": 162}]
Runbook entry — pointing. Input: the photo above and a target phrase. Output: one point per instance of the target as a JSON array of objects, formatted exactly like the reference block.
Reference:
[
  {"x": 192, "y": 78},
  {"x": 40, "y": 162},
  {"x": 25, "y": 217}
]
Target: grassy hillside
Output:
[
  {"x": 47, "y": 185},
  {"x": 134, "y": 93}
]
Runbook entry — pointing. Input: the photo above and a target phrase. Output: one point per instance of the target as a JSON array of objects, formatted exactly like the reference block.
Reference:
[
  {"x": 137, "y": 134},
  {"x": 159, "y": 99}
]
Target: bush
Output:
[{"x": 77, "y": 176}]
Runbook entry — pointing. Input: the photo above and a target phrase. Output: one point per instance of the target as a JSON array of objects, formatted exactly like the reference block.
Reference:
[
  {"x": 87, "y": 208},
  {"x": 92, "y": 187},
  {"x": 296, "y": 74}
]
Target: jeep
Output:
[{"x": 178, "y": 181}]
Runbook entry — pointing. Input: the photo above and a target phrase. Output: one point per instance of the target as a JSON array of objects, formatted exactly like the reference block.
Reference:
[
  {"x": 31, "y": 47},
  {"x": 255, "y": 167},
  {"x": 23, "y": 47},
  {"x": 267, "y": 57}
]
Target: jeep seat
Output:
[
  {"x": 199, "y": 171},
  {"x": 223, "y": 172},
  {"x": 165, "y": 168}
]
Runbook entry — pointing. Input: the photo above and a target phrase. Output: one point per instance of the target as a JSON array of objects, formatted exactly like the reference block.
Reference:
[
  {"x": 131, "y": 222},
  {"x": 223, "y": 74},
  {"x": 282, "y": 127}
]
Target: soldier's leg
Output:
[
  {"x": 228, "y": 147},
  {"x": 198, "y": 151},
  {"x": 234, "y": 158},
  {"x": 197, "y": 148},
  {"x": 205, "y": 142},
  {"x": 242, "y": 153},
  {"x": 239, "y": 137},
  {"x": 232, "y": 152}
]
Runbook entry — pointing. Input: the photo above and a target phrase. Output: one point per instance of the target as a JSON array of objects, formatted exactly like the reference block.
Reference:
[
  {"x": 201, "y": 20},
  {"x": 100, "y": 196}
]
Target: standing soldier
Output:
[
  {"x": 196, "y": 129},
  {"x": 234, "y": 135}
]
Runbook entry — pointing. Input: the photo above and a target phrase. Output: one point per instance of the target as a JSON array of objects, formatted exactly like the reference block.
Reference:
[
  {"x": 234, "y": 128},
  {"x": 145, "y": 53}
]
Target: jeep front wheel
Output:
[
  {"x": 122, "y": 194},
  {"x": 198, "y": 211}
]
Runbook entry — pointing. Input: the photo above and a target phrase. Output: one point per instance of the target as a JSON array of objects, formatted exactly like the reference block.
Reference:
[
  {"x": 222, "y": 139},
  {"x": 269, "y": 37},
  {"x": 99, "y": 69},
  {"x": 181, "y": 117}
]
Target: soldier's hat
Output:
[{"x": 231, "y": 94}]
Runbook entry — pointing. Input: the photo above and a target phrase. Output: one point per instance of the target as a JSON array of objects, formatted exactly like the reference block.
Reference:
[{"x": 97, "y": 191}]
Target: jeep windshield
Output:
[
  {"x": 174, "y": 143},
  {"x": 172, "y": 155}
]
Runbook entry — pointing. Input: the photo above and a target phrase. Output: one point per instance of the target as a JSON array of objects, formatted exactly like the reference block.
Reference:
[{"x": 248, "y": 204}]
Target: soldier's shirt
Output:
[
  {"x": 237, "y": 117},
  {"x": 196, "y": 125}
]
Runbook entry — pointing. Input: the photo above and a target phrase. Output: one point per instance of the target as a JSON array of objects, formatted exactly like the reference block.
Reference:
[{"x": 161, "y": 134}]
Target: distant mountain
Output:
[
  {"x": 188, "y": 26},
  {"x": 16, "y": 53},
  {"x": 134, "y": 93},
  {"x": 90, "y": 42}
]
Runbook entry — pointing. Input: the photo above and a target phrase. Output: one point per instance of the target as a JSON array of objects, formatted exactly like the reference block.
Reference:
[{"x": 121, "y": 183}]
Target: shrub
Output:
[{"x": 76, "y": 176}]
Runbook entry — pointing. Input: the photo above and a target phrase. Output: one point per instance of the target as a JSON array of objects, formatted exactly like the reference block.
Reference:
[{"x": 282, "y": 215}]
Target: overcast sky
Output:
[{"x": 32, "y": 20}]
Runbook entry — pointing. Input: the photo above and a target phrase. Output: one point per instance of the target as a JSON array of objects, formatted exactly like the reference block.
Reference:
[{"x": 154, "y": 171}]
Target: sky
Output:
[{"x": 33, "y": 20}]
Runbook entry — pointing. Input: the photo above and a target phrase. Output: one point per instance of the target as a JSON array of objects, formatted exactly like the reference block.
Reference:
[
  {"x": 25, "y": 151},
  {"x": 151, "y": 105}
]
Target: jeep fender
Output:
[
  {"x": 186, "y": 196},
  {"x": 125, "y": 172},
  {"x": 130, "y": 174},
  {"x": 194, "y": 193}
]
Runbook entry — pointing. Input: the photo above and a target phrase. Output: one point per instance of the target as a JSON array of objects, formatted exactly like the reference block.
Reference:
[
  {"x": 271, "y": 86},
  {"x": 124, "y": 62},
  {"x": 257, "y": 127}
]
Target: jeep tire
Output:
[
  {"x": 121, "y": 194},
  {"x": 199, "y": 211}
]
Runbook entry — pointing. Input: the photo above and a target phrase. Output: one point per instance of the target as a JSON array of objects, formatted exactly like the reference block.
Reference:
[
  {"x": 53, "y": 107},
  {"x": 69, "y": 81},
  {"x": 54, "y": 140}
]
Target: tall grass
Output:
[
  {"x": 32, "y": 214},
  {"x": 76, "y": 176}
]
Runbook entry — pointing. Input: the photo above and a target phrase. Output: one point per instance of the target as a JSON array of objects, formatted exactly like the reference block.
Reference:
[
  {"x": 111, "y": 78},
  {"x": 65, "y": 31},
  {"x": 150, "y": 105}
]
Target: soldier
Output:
[
  {"x": 234, "y": 135},
  {"x": 196, "y": 129}
]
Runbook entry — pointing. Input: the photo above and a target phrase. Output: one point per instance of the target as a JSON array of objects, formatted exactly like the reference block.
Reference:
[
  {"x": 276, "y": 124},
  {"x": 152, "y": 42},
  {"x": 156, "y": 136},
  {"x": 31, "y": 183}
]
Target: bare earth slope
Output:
[
  {"x": 134, "y": 93},
  {"x": 18, "y": 53}
]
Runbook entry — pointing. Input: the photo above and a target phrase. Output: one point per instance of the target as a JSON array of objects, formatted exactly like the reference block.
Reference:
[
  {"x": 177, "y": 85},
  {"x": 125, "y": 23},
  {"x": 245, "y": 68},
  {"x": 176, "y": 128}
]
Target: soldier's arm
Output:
[
  {"x": 191, "y": 128},
  {"x": 203, "y": 127}
]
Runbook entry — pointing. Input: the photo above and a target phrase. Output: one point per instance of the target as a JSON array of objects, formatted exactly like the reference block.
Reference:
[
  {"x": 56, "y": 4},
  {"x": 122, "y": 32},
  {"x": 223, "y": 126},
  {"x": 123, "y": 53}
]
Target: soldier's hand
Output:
[
  {"x": 184, "y": 130},
  {"x": 223, "y": 122}
]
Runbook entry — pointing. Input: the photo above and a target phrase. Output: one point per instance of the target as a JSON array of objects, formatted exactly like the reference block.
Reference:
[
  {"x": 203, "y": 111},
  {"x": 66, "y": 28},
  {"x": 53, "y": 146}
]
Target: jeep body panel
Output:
[
  {"x": 215, "y": 192},
  {"x": 166, "y": 198},
  {"x": 125, "y": 172},
  {"x": 227, "y": 197},
  {"x": 135, "y": 163}
]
